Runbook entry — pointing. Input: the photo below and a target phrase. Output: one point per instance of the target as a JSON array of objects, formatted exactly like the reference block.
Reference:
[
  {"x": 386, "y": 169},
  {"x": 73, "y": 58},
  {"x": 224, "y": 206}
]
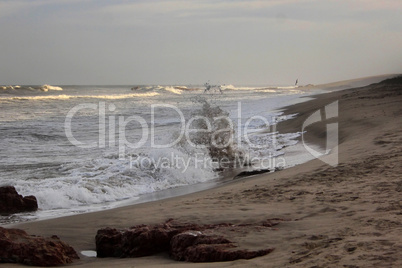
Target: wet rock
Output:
[
  {"x": 136, "y": 241},
  {"x": 195, "y": 246},
  {"x": 251, "y": 173},
  {"x": 12, "y": 202},
  {"x": 184, "y": 242},
  {"x": 16, "y": 246}
]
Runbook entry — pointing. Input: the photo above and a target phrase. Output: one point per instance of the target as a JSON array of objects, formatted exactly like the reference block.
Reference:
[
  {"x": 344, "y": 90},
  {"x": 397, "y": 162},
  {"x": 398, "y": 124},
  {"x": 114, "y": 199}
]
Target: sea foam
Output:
[
  {"x": 65, "y": 178},
  {"x": 47, "y": 87},
  {"x": 66, "y": 97}
]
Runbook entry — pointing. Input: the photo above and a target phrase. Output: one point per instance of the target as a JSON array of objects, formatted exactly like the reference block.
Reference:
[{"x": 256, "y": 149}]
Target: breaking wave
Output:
[
  {"x": 173, "y": 90},
  {"x": 101, "y": 178},
  {"x": 44, "y": 88},
  {"x": 49, "y": 87},
  {"x": 215, "y": 133},
  {"x": 66, "y": 97},
  {"x": 110, "y": 179}
]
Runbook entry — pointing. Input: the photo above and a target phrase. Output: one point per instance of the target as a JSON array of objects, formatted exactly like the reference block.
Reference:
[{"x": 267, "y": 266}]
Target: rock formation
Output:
[
  {"x": 12, "y": 202},
  {"x": 184, "y": 242},
  {"x": 197, "y": 247},
  {"x": 16, "y": 246}
]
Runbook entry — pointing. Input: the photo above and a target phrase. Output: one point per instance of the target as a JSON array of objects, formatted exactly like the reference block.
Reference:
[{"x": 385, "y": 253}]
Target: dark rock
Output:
[
  {"x": 12, "y": 202},
  {"x": 207, "y": 251},
  {"x": 272, "y": 222},
  {"x": 16, "y": 246},
  {"x": 278, "y": 169},
  {"x": 185, "y": 242},
  {"x": 251, "y": 173},
  {"x": 136, "y": 241},
  {"x": 109, "y": 243},
  {"x": 194, "y": 246}
]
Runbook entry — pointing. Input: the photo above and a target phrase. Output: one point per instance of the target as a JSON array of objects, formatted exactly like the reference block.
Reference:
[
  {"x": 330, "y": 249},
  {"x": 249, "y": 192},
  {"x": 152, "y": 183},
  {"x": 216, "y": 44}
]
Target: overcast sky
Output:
[{"x": 190, "y": 42}]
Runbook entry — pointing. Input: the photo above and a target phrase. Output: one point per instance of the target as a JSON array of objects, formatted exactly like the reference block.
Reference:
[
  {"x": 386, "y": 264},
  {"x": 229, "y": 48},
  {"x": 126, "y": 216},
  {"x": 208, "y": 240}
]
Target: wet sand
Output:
[{"x": 344, "y": 216}]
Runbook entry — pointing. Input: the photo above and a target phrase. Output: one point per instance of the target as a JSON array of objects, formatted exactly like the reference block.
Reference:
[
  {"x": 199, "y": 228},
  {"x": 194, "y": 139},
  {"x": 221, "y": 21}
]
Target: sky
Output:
[{"x": 272, "y": 42}]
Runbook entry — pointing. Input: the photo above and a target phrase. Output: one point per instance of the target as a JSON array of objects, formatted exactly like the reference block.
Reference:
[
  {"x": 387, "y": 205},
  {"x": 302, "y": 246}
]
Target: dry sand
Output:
[{"x": 344, "y": 216}]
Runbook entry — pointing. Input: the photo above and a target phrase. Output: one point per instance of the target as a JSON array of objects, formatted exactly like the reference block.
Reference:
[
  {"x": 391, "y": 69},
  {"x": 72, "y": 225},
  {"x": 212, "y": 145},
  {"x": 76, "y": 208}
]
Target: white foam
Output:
[
  {"x": 44, "y": 88},
  {"x": 51, "y": 97},
  {"x": 91, "y": 179},
  {"x": 173, "y": 90},
  {"x": 288, "y": 87},
  {"x": 260, "y": 89},
  {"x": 232, "y": 87},
  {"x": 268, "y": 90},
  {"x": 108, "y": 179},
  {"x": 120, "y": 96},
  {"x": 66, "y": 97},
  {"x": 7, "y": 87},
  {"x": 47, "y": 87}
]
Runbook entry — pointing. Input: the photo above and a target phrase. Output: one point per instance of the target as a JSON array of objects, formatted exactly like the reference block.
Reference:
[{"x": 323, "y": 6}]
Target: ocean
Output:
[{"x": 87, "y": 148}]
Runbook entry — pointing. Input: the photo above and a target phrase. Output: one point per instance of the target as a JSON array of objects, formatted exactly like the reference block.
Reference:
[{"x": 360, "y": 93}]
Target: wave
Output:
[
  {"x": 52, "y": 97},
  {"x": 272, "y": 89},
  {"x": 104, "y": 178},
  {"x": 268, "y": 90},
  {"x": 288, "y": 87},
  {"x": 44, "y": 88},
  {"x": 10, "y": 87},
  {"x": 47, "y": 87},
  {"x": 66, "y": 97},
  {"x": 120, "y": 96},
  {"x": 24, "y": 89},
  {"x": 173, "y": 90},
  {"x": 232, "y": 87},
  {"x": 109, "y": 179},
  {"x": 229, "y": 87},
  {"x": 215, "y": 136}
]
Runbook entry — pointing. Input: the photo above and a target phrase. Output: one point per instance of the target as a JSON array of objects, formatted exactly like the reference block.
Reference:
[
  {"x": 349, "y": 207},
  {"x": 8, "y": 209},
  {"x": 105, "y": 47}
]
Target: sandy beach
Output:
[{"x": 344, "y": 216}]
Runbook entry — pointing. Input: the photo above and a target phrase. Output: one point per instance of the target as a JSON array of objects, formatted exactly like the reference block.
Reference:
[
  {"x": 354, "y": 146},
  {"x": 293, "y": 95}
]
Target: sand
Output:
[{"x": 344, "y": 216}]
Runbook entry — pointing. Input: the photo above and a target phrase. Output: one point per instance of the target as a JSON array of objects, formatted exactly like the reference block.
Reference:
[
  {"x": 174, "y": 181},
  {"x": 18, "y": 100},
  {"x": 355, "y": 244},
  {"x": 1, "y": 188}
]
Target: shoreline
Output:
[
  {"x": 223, "y": 177},
  {"x": 316, "y": 199}
]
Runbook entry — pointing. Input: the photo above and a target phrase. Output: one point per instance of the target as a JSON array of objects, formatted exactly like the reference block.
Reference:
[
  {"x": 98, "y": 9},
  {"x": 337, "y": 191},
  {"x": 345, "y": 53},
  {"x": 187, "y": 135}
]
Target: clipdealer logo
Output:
[
  {"x": 109, "y": 126},
  {"x": 330, "y": 156}
]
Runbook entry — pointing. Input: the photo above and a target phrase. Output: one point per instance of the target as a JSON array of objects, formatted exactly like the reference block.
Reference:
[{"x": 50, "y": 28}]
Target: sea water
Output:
[{"x": 87, "y": 148}]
